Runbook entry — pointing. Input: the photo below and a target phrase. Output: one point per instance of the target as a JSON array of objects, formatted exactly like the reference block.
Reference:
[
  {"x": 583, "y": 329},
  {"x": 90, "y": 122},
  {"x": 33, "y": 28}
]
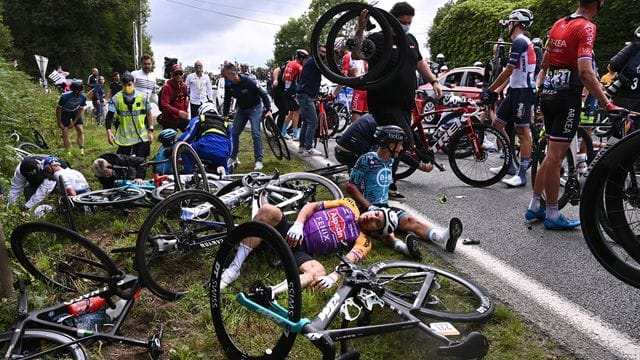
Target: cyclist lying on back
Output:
[
  {"x": 315, "y": 233},
  {"x": 73, "y": 181},
  {"x": 369, "y": 184},
  {"x": 210, "y": 136},
  {"x": 107, "y": 175}
]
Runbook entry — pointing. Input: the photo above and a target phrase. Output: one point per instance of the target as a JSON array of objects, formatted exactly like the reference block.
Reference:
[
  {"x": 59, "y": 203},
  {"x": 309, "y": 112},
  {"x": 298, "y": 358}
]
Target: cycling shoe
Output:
[
  {"x": 561, "y": 223},
  {"x": 541, "y": 215}
]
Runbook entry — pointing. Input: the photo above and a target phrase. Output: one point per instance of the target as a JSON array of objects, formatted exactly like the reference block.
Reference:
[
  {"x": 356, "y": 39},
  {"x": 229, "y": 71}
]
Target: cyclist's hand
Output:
[
  {"x": 612, "y": 109},
  {"x": 324, "y": 282},
  {"x": 138, "y": 181},
  {"x": 437, "y": 88},
  {"x": 295, "y": 234}
]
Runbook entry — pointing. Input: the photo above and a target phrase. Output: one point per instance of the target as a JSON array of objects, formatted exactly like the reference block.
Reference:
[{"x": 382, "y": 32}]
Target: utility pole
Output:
[{"x": 139, "y": 32}]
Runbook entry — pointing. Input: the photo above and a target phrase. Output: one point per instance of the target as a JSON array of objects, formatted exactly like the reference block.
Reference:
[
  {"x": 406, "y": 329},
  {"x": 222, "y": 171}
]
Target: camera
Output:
[{"x": 621, "y": 81}]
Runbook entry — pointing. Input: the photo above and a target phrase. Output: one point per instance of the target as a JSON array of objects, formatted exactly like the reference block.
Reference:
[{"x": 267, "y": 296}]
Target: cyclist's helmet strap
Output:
[{"x": 390, "y": 221}]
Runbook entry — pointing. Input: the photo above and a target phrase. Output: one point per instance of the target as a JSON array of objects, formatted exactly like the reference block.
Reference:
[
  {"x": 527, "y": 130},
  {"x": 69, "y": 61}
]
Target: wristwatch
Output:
[{"x": 150, "y": 128}]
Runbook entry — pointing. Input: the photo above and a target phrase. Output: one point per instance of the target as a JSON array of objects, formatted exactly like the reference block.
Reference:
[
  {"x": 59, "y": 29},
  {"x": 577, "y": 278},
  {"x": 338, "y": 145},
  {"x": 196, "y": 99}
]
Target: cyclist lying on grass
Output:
[
  {"x": 74, "y": 182},
  {"x": 369, "y": 184},
  {"x": 319, "y": 229},
  {"x": 102, "y": 168}
]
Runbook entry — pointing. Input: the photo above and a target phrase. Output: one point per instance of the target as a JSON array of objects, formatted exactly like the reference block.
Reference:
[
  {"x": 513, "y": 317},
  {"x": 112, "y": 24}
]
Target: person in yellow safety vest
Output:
[
  {"x": 133, "y": 122},
  {"x": 210, "y": 136}
]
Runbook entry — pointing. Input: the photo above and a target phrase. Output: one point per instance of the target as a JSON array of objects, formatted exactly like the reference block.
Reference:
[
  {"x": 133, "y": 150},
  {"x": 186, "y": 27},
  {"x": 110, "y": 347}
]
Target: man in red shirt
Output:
[
  {"x": 174, "y": 101},
  {"x": 566, "y": 69},
  {"x": 290, "y": 77}
]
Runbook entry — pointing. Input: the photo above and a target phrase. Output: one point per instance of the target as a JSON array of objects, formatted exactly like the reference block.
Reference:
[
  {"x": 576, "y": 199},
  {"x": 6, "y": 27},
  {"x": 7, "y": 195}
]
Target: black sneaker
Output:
[
  {"x": 396, "y": 195},
  {"x": 393, "y": 187},
  {"x": 413, "y": 246},
  {"x": 455, "y": 230}
]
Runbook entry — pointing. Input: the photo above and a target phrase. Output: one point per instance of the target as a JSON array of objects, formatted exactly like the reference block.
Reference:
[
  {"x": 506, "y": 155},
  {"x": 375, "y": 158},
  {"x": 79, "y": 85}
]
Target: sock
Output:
[
  {"x": 438, "y": 235},
  {"x": 241, "y": 256},
  {"x": 279, "y": 288},
  {"x": 552, "y": 211},
  {"x": 400, "y": 246},
  {"x": 534, "y": 204},
  {"x": 524, "y": 164}
]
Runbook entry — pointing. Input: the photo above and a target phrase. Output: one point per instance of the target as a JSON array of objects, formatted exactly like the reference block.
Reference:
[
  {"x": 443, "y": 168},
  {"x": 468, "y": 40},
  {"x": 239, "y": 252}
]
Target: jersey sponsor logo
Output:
[
  {"x": 336, "y": 223},
  {"x": 558, "y": 43},
  {"x": 383, "y": 177},
  {"x": 571, "y": 118}
]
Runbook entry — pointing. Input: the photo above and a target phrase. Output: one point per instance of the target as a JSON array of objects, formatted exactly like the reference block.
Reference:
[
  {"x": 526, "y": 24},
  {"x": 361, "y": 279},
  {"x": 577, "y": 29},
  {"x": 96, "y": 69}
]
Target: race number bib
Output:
[{"x": 559, "y": 79}]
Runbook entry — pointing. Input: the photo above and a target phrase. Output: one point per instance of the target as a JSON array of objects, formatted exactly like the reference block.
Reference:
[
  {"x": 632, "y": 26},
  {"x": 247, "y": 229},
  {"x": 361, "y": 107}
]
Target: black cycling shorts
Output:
[
  {"x": 292, "y": 102},
  {"x": 67, "y": 117},
  {"x": 517, "y": 107},
  {"x": 561, "y": 115},
  {"x": 300, "y": 252}
]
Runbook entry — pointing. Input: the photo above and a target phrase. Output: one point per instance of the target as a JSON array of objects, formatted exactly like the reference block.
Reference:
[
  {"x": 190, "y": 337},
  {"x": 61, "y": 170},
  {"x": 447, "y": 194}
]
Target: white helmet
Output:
[
  {"x": 523, "y": 16},
  {"x": 444, "y": 68},
  {"x": 440, "y": 56},
  {"x": 207, "y": 107},
  {"x": 478, "y": 63},
  {"x": 390, "y": 221}
]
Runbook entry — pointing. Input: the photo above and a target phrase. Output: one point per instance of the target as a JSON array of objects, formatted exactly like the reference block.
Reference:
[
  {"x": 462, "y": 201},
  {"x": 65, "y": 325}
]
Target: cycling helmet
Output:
[
  {"x": 637, "y": 32},
  {"x": 50, "y": 160},
  {"x": 478, "y": 63},
  {"x": 127, "y": 77},
  {"x": 207, "y": 107},
  {"x": 166, "y": 136},
  {"x": 76, "y": 85},
  {"x": 440, "y": 56},
  {"x": 302, "y": 53},
  {"x": 444, "y": 68},
  {"x": 537, "y": 42},
  {"x": 390, "y": 221},
  {"x": 388, "y": 133},
  {"x": 523, "y": 16}
]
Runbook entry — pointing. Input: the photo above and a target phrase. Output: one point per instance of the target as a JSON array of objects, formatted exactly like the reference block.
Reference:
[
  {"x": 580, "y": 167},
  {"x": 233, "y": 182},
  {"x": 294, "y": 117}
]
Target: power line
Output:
[
  {"x": 224, "y": 14},
  {"x": 237, "y": 7}
]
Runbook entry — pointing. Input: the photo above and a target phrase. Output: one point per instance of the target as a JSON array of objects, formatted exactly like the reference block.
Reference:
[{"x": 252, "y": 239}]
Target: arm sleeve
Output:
[
  {"x": 18, "y": 182},
  {"x": 190, "y": 132},
  {"x": 227, "y": 100},
  {"x": 167, "y": 94},
  {"x": 41, "y": 193},
  {"x": 361, "y": 247}
]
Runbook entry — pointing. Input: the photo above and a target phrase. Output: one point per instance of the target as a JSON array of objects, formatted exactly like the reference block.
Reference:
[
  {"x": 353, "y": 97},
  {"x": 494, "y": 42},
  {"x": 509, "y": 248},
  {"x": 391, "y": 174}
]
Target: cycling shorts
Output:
[
  {"x": 300, "y": 252},
  {"x": 359, "y": 102},
  {"x": 292, "y": 102},
  {"x": 517, "y": 107},
  {"x": 561, "y": 115},
  {"x": 66, "y": 118},
  {"x": 346, "y": 157}
]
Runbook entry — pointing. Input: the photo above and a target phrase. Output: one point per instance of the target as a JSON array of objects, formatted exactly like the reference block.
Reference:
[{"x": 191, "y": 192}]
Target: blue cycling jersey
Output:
[
  {"x": 372, "y": 176},
  {"x": 70, "y": 102}
]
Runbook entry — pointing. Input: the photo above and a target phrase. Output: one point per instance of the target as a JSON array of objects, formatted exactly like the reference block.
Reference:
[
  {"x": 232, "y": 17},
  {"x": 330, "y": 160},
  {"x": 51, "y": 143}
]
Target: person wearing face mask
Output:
[
  {"x": 391, "y": 103},
  {"x": 134, "y": 125},
  {"x": 306, "y": 95}
]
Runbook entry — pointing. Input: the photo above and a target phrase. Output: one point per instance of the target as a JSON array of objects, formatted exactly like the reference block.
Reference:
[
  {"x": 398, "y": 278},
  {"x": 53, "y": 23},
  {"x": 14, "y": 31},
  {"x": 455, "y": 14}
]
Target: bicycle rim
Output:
[
  {"x": 405, "y": 170},
  {"x": 285, "y": 148},
  {"x": 36, "y": 341},
  {"x": 109, "y": 197},
  {"x": 243, "y": 332},
  {"x": 450, "y": 297},
  {"x": 566, "y": 169},
  {"x": 60, "y": 257},
  {"x": 474, "y": 169},
  {"x": 343, "y": 115},
  {"x": 187, "y": 162},
  {"x": 178, "y": 241}
]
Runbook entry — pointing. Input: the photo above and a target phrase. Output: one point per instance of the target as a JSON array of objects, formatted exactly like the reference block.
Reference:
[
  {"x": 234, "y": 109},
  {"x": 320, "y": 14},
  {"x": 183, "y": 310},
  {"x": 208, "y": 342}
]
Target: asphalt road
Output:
[{"x": 550, "y": 278}]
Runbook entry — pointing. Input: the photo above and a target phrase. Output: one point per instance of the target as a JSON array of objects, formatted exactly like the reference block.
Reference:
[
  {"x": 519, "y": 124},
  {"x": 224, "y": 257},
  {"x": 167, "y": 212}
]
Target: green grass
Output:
[{"x": 189, "y": 333}]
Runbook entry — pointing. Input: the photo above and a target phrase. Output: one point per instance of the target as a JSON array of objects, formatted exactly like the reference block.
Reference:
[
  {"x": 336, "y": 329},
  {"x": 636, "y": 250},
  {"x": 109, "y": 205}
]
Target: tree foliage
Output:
[
  {"x": 78, "y": 35},
  {"x": 460, "y": 27}
]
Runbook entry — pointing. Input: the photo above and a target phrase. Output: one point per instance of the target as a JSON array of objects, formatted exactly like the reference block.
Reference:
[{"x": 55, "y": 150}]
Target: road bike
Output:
[
  {"x": 275, "y": 140},
  {"x": 26, "y": 148},
  {"x": 611, "y": 187},
  {"x": 412, "y": 291},
  {"x": 180, "y": 236},
  {"x": 67, "y": 261},
  {"x": 473, "y": 148},
  {"x": 327, "y": 124}
]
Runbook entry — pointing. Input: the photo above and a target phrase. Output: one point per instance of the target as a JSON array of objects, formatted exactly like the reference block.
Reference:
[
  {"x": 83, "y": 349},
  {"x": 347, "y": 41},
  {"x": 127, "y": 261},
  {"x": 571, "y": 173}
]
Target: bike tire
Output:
[
  {"x": 173, "y": 250},
  {"x": 315, "y": 188},
  {"x": 270, "y": 130},
  {"x": 405, "y": 170},
  {"x": 34, "y": 341},
  {"x": 61, "y": 257},
  {"x": 343, "y": 114},
  {"x": 475, "y": 171},
  {"x": 199, "y": 174},
  {"x": 39, "y": 139},
  {"x": 231, "y": 320},
  {"x": 333, "y": 121},
  {"x": 284, "y": 146},
  {"x": 66, "y": 207},
  {"x": 30, "y": 148},
  {"x": 607, "y": 173},
  {"x": 110, "y": 197},
  {"x": 476, "y": 304}
]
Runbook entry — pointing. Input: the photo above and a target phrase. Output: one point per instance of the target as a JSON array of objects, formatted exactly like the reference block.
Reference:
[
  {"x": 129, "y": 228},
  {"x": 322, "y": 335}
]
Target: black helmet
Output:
[
  {"x": 302, "y": 53},
  {"x": 76, "y": 85},
  {"x": 389, "y": 133},
  {"x": 537, "y": 42},
  {"x": 127, "y": 77}
]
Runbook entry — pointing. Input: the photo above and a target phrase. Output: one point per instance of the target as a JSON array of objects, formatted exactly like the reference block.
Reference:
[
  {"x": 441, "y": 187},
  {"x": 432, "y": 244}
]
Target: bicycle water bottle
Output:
[{"x": 86, "y": 306}]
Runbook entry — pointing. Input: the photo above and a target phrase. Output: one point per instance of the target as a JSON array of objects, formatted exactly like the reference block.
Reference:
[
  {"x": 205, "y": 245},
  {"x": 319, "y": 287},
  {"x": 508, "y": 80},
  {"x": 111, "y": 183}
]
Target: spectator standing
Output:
[
  {"x": 115, "y": 85},
  {"x": 290, "y": 77},
  {"x": 175, "y": 101},
  {"x": 306, "y": 95},
  {"x": 145, "y": 81},
  {"x": 69, "y": 112},
  {"x": 98, "y": 99},
  {"x": 199, "y": 86},
  {"x": 92, "y": 80},
  {"x": 280, "y": 96},
  {"x": 248, "y": 97}
]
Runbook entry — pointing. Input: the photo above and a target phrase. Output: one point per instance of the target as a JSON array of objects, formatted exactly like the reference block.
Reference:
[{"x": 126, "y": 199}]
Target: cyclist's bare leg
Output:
[
  {"x": 80, "y": 135},
  {"x": 65, "y": 138},
  {"x": 550, "y": 171},
  {"x": 309, "y": 271},
  {"x": 524, "y": 134}
]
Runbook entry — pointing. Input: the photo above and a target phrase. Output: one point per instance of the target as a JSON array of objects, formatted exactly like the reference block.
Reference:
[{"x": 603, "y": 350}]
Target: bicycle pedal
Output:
[{"x": 155, "y": 344}]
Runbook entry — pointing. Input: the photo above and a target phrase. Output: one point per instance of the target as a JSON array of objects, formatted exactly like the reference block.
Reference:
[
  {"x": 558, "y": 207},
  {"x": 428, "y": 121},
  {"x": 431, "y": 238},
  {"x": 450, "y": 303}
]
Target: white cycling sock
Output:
[
  {"x": 241, "y": 256},
  {"x": 438, "y": 235},
  {"x": 534, "y": 204},
  {"x": 401, "y": 246}
]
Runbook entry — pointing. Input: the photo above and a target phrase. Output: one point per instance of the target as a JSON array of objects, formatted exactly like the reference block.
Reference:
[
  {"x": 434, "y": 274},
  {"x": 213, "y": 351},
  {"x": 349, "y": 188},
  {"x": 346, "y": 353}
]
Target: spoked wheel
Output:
[
  {"x": 186, "y": 162},
  {"x": 30, "y": 148},
  {"x": 272, "y": 133},
  {"x": 257, "y": 281},
  {"x": 449, "y": 296},
  {"x": 405, "y": 170},
  {"x": 429, "y": 106},
  {"x": 290, "y": 192},
  {"x": 61, "y": 258},
  {"x": 344, "y": 115},
  {"x": 178, "y": 241},
  {"x": 473, "y": 167},
  {"x": 33, "y": 342},
  {"x": 110, "y": 197},
  {"x": 333, "y": 120}
]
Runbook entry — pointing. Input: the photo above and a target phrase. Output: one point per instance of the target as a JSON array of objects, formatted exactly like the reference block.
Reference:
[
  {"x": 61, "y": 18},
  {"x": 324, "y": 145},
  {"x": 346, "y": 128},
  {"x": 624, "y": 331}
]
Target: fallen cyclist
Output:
[
  {"x": 369, "y": 185},
  {"x": 103, "y": 168},
  {"x": 312, "y": 235}
]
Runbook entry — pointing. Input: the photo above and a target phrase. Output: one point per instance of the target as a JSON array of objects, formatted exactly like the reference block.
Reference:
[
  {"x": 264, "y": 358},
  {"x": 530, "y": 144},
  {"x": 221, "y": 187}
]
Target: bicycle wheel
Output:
[
  {"x": 270, "y": 130},
  {"x": 242, "y": 332},
  {"x": 474, "y": 168},
  {"x": 60, "y": 257},
  {"x": 39, "y": 139},
  {"x": 322, "y": 133},
  {"x": 333, "y": 120},
  {"x": 290, "y": 192},
  {"x": 30, "y": 148},
  {"x": 450, "y": 297},
  {"x": 105, "y": 197},
  {"x": 405, "y": 170},
  {"x": 343, "y": 115},
  {"x": 607, "y": 178},
  {"x": 283, "y": 145},
  {"x": 36, "y": 341},
  {"x": 186, "y": 161},
  {"x": 178, "y": 241}
]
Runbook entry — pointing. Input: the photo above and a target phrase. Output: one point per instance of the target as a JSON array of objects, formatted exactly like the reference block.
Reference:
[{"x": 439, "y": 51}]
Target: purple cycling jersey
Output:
[{"x": 326, "y": 228}]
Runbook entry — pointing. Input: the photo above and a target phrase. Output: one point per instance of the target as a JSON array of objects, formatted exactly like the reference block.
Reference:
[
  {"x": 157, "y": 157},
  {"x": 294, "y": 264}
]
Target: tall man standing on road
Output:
[
  {"x": 306, "y": 95},
  {"x": 248, "y": 95},
  {"x": 566, "y": 69},
  {"x": 391, "y": 104},
  {"x": 517, "y": 107},
  {"x": 199, "y": 86}
]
